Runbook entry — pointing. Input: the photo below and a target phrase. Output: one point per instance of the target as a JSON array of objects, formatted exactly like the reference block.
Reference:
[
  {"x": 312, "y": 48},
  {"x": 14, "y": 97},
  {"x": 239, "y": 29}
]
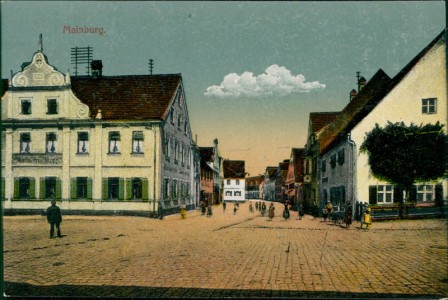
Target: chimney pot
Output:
[{"x": 97, "y": 68}]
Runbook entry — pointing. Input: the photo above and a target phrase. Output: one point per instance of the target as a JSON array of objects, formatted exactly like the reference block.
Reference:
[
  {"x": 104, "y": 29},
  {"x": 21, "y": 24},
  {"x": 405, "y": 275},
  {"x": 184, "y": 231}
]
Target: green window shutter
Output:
[
  {"x": 105, "y": 188},
  {"x": 74, "y": 188},
  {"x": 89, "y": 188},
  {"x": 129, "y": 188},
  {"x": 145, "y": 192},
  {"x": 121, "y": 189},
  {"x": 16, "y": 188},
  {"x": 372, "y": 194},
  {"x": 58, "y": 188},
  {"x": 42, "y": 188},
  {"x": 398, "y": 194},
  {"x": 3, "y": 188},
  {"x": 32, "y": 188}
]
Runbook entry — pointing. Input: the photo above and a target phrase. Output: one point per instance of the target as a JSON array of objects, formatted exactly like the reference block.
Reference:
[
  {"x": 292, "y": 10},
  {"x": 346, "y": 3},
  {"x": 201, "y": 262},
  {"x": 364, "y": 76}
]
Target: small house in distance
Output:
[{"x": 234, "y": 180}]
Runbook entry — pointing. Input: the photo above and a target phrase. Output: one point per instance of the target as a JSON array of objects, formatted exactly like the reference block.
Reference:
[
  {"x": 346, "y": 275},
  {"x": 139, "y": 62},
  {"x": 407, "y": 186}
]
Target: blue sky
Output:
[{"x": 252, "y": 71}]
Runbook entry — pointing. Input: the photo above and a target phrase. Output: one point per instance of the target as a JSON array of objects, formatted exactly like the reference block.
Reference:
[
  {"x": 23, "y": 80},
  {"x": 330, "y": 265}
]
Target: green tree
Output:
[{"x": 404, "y": 155}]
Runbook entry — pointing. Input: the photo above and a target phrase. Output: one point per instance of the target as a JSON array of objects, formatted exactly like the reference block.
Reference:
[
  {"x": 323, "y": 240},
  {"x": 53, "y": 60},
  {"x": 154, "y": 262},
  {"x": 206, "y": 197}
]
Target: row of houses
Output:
[
  {"x": 330, "y": 167},
  {"x": 104, "y": 144}
]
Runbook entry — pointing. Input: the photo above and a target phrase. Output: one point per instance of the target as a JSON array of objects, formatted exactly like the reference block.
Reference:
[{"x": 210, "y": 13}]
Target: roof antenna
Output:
[
  {"x": 41, "y": 48},
  {"x": 151, "y": 65}
]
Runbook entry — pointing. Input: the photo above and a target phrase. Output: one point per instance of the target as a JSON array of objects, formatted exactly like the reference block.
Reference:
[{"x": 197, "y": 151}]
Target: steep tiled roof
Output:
[
  {"x": 298, "y": 154},
  {"x": 368, "y": 98},
  {"x": 283, "y": 167},
  {"x": 206, "y": 154},
  {"x": 134, "y": 97},
  {"x": 234, "y": 169},
  {"x": 319, "y": 120},
  {"x": 254, "y": 180},
  {"x": 271, "y": 171},
  {"x": 355, "y": 110}
]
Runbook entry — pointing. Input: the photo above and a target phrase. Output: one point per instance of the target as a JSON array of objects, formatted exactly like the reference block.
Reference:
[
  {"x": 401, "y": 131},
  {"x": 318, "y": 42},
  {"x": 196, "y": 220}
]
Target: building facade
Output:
[
  {"x": 98, "y": 144},
  {"x": 294, "y": 177},
  {"x": 234, "y": 181}
]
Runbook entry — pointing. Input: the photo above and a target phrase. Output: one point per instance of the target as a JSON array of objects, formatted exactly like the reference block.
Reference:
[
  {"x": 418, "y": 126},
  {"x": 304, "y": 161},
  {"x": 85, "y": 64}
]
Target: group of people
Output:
[{"x": 366, "y": 219}]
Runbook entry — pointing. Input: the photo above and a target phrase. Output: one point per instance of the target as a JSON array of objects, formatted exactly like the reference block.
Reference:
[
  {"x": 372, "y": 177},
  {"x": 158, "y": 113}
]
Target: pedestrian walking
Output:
[
  {"x": 256, "y": 206},
  {"x": 203, "y": 208},
  {"x": 286, "y": 212},
  {"x": 348, "y": 216},
  {"x": 251, "y": 208},
  {"x": 329, "y": 208},
  {"x": 235, "y": 208},
  {"x": 263, "y": 209},
  {"x": 366, "y": 218},
  {"x": 224, "y": 206},
  {"x": 54, "y": 218},
  {"x": 271, "y": 211},
  {"x": 325, "y": 214},
  {"x": 209, "y": 210}
]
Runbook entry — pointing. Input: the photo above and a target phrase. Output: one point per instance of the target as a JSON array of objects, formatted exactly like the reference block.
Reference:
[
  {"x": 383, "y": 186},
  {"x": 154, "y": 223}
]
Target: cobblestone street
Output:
[{"x": 226, "y": 255}]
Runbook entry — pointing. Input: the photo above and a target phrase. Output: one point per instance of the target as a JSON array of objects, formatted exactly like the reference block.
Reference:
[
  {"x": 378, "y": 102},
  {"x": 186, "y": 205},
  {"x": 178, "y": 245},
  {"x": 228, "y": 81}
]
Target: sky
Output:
[{"x": 252, "y": 71}]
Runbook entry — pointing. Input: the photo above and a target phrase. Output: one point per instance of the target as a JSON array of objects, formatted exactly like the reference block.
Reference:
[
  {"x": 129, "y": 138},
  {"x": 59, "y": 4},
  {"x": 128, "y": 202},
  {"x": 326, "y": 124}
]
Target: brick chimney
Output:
[
  {"x": 97, "y": 68},
  {"x": 353, "y": 94}
]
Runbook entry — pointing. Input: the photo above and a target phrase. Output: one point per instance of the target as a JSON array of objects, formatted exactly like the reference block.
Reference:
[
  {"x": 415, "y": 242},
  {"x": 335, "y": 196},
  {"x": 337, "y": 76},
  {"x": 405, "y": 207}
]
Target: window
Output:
[
  {"x": 114, "y": 186},
  {"x": 174, "y": 189},
  {"x": 52, "y": 107},
  {"x": 24, "y": 188},
  {"x": 179, "y": 122},
  {"x": 166, "y": 146},
  {"x": 166, "y": 188},
  {"x": 237, "y": 193},
  {"x": 182, "y": 154},
  {"x": 333, "y": 161},
  {"x": 185, "y": 126},
  {"x": 228, "y": 181},
  {"x": 228, "y": 193},
  {"x": 341, "y": 157},
  {"x": 172, "y": 115},
  {"x": 136, "y": 192},
  {"x": 176, "y": 152},
  {"x": 51, "y": 142},
  {"x": 26, "y": 107},
  {"x": 425, "y": 193},
  {"x": 25, "y": 140},
  {"x": 337, "y": 195},
  {"x": 50, "y": 187},
  {"x": 385, "y": 194},
  {"x": 137, "y": 142},
  {"x": 83, "y": 142},
  {"x": 81, "y": 186},
  {"x": 114, "y": 142},
  {"x": 237, "y": 182},
  {"x": 429, "y": 106},
  {"x": 323, "y": 166}
]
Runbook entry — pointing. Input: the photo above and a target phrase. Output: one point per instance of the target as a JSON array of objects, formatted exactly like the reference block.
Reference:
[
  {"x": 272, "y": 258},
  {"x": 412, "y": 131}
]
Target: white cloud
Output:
[{"x": 276, "y": 80}]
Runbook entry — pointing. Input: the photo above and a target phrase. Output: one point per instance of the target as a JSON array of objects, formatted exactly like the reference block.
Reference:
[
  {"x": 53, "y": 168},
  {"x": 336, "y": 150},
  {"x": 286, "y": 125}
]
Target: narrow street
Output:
[{"x": 226, "y": 255}]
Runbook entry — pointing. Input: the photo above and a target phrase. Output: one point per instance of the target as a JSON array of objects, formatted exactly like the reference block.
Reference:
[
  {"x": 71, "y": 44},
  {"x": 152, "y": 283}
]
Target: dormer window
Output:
[
  {"x": 52, "y": 107},
  {"x": 26, "y": 107}
]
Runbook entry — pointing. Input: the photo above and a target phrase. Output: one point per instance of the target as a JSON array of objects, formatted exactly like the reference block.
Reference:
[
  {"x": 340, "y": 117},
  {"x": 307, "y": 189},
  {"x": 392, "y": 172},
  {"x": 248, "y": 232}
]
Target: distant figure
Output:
[
  {"x": 209, "y": 211},
  {"x": 256, "y": 206},
  {"x": 251, "y": 208},
  {"x": 203, "y": 208},
  {"x": 366, "y": 219},
  {"x": 329, "y": 208},
  {"x": 54, "y": 218},
  {"x": 263, "y": 209},
  {"x": 348, "y": 216},
  {"x": 224, "y": 206},
  {"x": 286, "y": 212},
  {"x": 325, "y": 214},
  {"x": 235, "y": 208},
  {"x": 271, "y": 211}
]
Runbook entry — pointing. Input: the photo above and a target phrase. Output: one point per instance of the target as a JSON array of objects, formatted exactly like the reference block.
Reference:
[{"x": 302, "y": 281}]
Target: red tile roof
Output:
[
  {"x": 319, "y": 120},
  {"x": 271, "y": 171},
  {"x": 372, "y": 94},
  {"x": 133, "y": 97},
  {"x": 298, "y": 154},
  {"x": 234, "y": 169}
]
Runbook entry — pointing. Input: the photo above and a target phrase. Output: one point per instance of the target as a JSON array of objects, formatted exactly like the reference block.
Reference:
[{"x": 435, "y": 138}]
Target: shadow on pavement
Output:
[{"x": 13, "y": 289}]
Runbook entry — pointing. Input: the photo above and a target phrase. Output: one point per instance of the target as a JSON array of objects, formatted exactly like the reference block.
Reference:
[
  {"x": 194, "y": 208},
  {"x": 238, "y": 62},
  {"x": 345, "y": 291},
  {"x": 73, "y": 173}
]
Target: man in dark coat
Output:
[{"x": 54, "y": 218}]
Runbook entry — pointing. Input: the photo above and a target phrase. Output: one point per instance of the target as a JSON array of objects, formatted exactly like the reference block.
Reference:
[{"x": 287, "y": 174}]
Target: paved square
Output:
[{"x": 236, "y": 255}]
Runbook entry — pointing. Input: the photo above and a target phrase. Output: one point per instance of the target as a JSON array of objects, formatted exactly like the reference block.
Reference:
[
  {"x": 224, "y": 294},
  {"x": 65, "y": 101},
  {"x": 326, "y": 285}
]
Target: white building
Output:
[
  {"x": 234, "y": 181},
  {"x": 97, "y": 144}
]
